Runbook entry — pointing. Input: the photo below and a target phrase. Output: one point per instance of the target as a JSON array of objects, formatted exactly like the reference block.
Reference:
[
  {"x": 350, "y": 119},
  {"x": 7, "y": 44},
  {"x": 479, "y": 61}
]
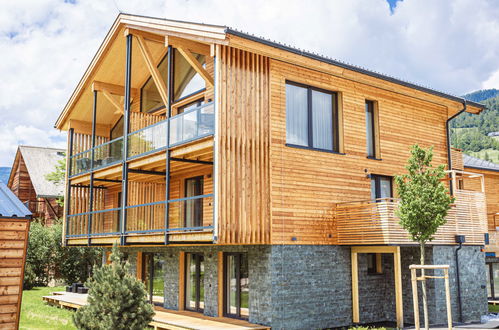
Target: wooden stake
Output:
[{"x": 415, "y": 301}]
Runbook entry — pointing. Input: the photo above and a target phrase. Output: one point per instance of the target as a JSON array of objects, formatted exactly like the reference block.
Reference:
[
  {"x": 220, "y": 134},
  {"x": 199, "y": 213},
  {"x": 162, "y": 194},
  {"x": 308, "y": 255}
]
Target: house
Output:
[
  {"x": 14, "y": 229},
  {"x": 249, "y": 179},
  {"x": 28, "y": 181},
  {"x": 490, "y": 172}
]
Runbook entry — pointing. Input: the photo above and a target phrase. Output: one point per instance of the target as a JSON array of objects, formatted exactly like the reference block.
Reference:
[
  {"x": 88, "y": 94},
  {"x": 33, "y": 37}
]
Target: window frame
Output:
[
  {"x": 197, "y": 258},
  {"x": 335, "y": 136},
  {"x": 377, "y": 178},
  {"x": 199, "y": 180},
  {"x": 238, "y": 258},
  {"x": 371, "y": 105}
]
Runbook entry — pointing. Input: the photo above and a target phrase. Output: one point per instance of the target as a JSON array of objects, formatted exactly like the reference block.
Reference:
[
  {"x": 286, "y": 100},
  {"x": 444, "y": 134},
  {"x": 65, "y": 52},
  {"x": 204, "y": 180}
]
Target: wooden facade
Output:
[{"x": 258, "y": 189}]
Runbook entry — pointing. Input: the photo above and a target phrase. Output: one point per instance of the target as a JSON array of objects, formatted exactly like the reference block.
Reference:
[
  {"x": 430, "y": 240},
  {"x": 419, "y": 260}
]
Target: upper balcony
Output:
[{"x": 374, "y": 222}]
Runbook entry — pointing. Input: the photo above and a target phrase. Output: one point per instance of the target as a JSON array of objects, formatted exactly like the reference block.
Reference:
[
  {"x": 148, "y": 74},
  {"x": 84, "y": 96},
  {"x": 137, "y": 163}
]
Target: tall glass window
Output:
[
  {"x": 194, "y": 282},
  {"x": 311, "y": 117},
  {"x": 193, "y": 207},
  {"x": 150, "y": 100},
  {"x": 186, "y": 80},
  {"x": 370, "y": 130},
  {"x": 236, "y": 282}
]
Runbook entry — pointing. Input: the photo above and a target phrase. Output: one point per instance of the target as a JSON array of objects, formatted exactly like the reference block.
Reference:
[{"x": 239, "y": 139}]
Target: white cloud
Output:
[{"x": 47, "y": 44}]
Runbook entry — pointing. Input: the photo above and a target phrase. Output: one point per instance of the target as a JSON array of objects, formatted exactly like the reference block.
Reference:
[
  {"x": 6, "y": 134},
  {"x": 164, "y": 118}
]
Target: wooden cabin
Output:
[
  {"x": 28, "y": 181},
  {"x": 14, "y": 228},
  {"x": 249, "y": 179}
]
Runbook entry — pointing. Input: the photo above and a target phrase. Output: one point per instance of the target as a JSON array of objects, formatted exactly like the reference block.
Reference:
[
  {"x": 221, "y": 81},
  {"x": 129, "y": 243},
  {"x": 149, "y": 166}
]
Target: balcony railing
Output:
[
  {"x": 375, "y": 222},
  {"x": 186, "y": 215},
  {"x": 191, "y": 125}
]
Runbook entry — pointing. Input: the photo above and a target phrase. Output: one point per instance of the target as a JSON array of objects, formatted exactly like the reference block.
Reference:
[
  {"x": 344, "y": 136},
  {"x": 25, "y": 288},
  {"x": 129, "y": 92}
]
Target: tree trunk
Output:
[{"x": 423, "y": 287}]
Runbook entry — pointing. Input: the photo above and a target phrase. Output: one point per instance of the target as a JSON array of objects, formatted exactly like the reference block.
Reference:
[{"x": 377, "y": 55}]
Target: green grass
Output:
[
  {"x": 36, "y": 314},
  {"x": 493, "y": 308}
]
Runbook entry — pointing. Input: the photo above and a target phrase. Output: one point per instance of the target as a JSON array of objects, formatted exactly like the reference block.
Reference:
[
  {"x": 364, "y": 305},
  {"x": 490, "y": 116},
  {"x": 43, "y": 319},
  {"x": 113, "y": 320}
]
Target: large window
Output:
[
  {"x": 186, "y": 80},
  {"x": 194, "y": 282},
  {"x": 381, "y": 186},
  {"x": 311, "y": 117},
  {"x": 371, "y": 143},
  {"x": 193, "y": 207},
  {"x": 153, "y": 275},
  {"x": 236, "y": 285},
  {"x": 150, "y": 100}
]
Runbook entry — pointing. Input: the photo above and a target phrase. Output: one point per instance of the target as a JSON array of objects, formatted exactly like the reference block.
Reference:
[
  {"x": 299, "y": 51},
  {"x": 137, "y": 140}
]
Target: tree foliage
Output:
[
  {"x": 424, "y": 199},
  {"x": 58, "y": 176},
  {"x": 46, "y": 258},
  {"x": 116, "y": 300}
]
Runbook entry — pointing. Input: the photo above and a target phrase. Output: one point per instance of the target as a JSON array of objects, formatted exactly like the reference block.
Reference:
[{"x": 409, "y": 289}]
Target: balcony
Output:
[
  {"x": 375, "y": 222},
  {"x": 192, "y": 125}
]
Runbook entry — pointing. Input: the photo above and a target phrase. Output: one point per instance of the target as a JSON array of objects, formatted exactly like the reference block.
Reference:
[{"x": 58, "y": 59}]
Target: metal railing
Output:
[
  {"x": 95, "y": 223},
  {"x": 191, "y": 125}
]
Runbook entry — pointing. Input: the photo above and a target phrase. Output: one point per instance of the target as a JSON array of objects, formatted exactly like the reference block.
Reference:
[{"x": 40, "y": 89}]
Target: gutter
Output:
[{"x": 447, "y": 130}]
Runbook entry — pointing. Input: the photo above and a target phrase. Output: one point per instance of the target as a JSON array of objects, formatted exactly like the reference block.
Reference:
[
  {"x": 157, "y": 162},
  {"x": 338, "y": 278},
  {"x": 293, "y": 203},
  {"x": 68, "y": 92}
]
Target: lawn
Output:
[{"x": 36, "y": 314}]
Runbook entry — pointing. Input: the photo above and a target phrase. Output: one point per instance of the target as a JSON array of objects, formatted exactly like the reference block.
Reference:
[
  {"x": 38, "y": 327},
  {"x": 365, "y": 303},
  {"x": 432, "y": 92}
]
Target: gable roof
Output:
[
  {"x": 39, "y": 162},
  {"x": 473, "y": 162},
  {"x": 10, "y": 205},
  {"x": 221, "y": 34}
]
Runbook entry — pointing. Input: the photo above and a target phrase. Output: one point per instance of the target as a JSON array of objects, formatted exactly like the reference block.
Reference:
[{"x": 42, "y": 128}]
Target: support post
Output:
[
  {"x": 168, "y": 153},
  {"x": 67, "y": 201},
  {"x": 126, "y": 127},
  {"x": 415, "y": 300},
  {"x": 447, "y": 299},
  {"x": 92, "y": 159},
  {"x": 398, "y": 288},
  {"x": 355, "y": 288}
]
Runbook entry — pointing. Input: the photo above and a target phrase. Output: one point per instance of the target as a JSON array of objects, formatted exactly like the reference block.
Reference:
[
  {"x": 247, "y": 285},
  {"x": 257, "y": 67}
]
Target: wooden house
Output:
[
  {"x": 249, "y": 179},
  {"x": 28, "y": 181},
  {"x": 14, "y": 229}
]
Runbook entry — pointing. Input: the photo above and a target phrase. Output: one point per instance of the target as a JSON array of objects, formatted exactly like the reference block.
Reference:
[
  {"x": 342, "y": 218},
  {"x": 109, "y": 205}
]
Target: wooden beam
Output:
[
  {"x": 379, "y": 263},
  {"x": 112, "y": 100},
  {"x": 374, "y": 249},
  {"x": 196, "y": 65},
  {"x": 220, "y": 284},
  {"x": 85, "y": 127},
  {"x": 398, "y": 288},
  {"x": 181, "y": 281},
  {"x": 355, "y": 287},
  {"x": 139, "y": 265},
  {"x": 145, "y": 34},
  {"x": 193, "y": 46},
  {"x": 153, "y": 69}
]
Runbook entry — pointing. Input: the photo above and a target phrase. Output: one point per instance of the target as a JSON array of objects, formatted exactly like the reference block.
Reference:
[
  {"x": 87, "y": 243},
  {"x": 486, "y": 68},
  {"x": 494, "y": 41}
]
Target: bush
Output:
[
  {"x": 116, "y": 299},
  {"x": 47, "y": 258}
]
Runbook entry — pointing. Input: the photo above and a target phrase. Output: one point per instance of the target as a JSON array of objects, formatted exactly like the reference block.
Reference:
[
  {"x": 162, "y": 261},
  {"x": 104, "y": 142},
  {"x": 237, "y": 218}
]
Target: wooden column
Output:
[
  {"x": 181, "y": 281},
  {"x": 220, "y": 284},
  {"x": 355, "y": 287},
  {"x": 398, "y": 287}
]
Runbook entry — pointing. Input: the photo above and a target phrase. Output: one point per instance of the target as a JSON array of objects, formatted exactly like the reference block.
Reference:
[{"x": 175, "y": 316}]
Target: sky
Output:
[{"x": 46, "y": 45}]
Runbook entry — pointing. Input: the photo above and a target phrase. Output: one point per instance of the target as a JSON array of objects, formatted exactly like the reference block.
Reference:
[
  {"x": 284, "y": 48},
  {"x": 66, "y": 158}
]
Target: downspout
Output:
[
  {"x": 459, "y": 304},
  {"x": 449, "y": 157}
]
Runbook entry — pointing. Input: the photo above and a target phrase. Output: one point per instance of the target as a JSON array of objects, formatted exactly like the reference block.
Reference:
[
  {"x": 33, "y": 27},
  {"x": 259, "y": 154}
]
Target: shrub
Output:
[{"x": 116, "y": 300}]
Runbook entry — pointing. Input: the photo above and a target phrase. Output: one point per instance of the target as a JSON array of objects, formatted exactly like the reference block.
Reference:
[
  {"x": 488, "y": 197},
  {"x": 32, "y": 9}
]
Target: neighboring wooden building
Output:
[
  {"x": 14, "y": 229},
  {"x": 254, "y": 180},
  {"x": 28, "y": 181}
]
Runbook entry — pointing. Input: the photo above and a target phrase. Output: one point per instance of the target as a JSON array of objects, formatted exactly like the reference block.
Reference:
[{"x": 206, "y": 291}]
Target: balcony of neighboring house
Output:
[{"x": 374, "y": 222}]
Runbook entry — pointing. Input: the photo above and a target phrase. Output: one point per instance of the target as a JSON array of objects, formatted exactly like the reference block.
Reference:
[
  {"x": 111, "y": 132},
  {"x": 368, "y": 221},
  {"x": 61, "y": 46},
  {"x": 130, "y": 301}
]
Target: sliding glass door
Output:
[
  {"x": 153, "y": 275},
  {"x": 236, "y": 285}
]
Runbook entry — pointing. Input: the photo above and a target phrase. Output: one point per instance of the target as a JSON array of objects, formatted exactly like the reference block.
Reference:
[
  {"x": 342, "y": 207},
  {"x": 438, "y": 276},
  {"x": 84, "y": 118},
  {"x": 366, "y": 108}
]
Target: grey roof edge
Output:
[
  {"x": 15, "y": 209},
  {"x": 482, "y": 168},
  {"x": 351, "y": 67}
]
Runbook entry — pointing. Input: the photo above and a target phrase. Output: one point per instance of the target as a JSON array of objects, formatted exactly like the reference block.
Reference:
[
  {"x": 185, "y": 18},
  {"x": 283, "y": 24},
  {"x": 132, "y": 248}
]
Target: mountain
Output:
[
  {"x": 471, "y": 132},
  {"x": 4, "y": 174}
]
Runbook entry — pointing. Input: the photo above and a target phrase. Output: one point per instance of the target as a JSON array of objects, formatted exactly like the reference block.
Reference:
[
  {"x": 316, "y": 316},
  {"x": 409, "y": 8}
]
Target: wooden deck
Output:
[{"x": 164, "y": 318}]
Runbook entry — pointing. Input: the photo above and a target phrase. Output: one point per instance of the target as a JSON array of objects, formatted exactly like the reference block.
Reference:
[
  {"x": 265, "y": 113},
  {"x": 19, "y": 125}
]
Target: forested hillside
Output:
[{"x": 470, "y": 132}]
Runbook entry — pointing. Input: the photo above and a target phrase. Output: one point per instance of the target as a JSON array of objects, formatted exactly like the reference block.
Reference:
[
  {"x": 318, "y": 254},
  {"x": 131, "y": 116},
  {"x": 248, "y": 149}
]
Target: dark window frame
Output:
[
  {"x": 335, "y": 136},
  {"x": 197, "y": 258},
  {"x": 200, "y": 181},
  {"x": 238, "y": 258},
  {"x": 377, "y": 178},
  {"x": 370, "y": 106}
]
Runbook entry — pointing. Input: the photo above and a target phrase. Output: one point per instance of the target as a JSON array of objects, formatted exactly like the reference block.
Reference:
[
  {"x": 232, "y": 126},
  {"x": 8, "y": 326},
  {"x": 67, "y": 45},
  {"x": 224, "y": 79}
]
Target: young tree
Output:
[
  {"x": 424, "y": 202},
  {"x": 116, "y": 300},
  {"x": 58, "y": 176}
]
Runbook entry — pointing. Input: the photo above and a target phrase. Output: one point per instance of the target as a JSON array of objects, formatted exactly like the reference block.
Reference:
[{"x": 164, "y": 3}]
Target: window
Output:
[
  {"x": 153, "y": 276},
  {"x": 381, "y": 187},
  {"x": 186, "y": 80},
  {"x": 371, "y": 130},
  {"x": 193, "y": 212},
  {"x": 236, "y": 285},
  {"x": 194, "y": 282},
  {"x": 311, "y": 117},
  {"x": 150, "y": 100},
  {"x": 374, "y": 263}
]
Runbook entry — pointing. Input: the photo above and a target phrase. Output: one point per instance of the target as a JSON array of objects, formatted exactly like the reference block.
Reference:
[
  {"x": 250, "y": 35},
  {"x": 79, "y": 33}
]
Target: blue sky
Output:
[{"x": 449, "y": 45}]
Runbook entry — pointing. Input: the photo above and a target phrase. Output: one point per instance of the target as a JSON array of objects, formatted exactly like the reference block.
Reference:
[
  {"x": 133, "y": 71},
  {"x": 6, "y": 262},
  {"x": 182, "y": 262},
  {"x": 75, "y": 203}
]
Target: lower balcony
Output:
[
  {"x": 190, "y": 219},
  {"x": 375, "y": 222}
]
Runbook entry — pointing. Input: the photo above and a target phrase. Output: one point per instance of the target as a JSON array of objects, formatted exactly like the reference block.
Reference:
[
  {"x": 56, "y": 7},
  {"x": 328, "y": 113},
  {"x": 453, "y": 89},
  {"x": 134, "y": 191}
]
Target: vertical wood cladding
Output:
[
  {"x": 243, "y": 146},
  {"x": 307, "y": 183}
]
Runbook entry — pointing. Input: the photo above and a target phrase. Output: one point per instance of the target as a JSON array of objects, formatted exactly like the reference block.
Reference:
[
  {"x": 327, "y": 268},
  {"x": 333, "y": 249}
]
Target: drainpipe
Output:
[
  {"x": 449, "y": 157},
  {"x": 459, "y": 302}
]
